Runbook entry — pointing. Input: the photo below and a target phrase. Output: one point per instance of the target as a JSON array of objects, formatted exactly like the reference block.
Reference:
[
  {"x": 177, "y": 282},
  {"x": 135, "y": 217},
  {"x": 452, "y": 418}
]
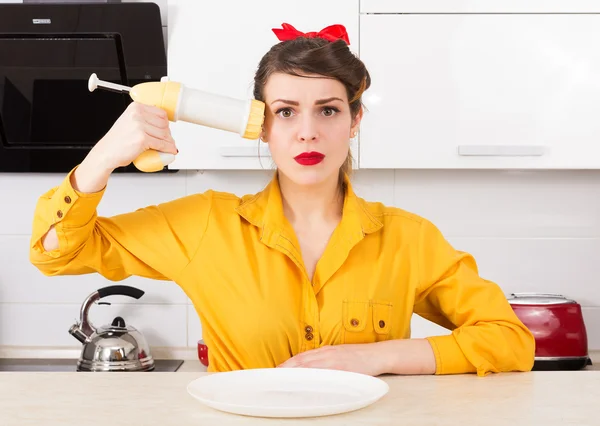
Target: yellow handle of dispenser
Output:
[{"x": 164, "y": 95}]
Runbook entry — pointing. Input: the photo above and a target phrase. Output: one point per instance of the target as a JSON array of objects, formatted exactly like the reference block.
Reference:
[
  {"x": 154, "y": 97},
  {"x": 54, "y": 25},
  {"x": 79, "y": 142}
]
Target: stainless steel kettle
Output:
[{"x": 114, "y": 347}]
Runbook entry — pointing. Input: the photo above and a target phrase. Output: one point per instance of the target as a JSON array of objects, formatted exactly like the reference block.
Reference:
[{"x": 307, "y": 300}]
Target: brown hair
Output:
[{"x": 303, "y": 55}]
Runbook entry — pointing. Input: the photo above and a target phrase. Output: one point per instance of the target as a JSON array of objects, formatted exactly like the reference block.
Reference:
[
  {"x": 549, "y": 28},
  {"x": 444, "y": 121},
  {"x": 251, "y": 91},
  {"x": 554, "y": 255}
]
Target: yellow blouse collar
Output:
[{"x": 265, "y": 210}]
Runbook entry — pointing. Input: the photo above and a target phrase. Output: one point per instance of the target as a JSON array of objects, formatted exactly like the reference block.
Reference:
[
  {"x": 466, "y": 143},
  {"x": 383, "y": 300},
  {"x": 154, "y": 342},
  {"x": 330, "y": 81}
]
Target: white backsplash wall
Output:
[{"x": 529, "y": 231}]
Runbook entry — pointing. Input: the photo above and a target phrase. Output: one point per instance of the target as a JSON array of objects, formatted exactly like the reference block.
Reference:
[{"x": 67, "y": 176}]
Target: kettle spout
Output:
[{"x": 76, "y": 332}]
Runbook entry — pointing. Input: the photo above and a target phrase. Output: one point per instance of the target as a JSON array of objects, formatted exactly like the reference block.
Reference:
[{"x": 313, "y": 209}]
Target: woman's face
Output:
[{"x": 308, "y": 126}]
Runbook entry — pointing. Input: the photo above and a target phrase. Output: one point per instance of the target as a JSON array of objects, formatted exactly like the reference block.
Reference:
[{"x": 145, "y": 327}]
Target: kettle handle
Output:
[{"x": 124, "y": 290}]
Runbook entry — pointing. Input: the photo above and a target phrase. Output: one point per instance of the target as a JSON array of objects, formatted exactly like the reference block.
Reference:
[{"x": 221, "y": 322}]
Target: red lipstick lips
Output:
[{"x": 309, "y": 158}]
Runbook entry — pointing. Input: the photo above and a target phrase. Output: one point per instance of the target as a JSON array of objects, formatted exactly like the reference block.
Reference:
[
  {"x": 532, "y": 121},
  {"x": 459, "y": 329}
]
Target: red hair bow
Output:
[{"x": 331, "y": 33}]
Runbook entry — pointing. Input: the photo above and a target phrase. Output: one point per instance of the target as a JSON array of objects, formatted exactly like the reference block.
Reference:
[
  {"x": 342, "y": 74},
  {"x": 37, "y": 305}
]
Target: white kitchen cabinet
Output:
[
  {"x": 216, "y": 46},
  {"x": 481, "y": 85},
  {"x": 479, "y": 6}
]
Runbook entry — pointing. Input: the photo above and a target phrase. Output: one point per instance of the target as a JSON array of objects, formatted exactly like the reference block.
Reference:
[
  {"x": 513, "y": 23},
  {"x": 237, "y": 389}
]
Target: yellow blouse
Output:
[{"x": 239, "y": 262}]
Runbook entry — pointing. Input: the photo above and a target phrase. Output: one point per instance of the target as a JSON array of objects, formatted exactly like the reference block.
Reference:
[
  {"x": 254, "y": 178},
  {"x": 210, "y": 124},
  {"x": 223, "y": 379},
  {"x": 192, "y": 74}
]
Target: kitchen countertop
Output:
[{"x": 545, "y": 398}]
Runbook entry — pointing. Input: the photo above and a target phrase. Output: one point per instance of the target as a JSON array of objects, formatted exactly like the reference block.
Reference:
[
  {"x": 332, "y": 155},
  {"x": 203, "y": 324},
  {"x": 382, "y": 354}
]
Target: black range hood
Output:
[{"x": 49, "y": 120}]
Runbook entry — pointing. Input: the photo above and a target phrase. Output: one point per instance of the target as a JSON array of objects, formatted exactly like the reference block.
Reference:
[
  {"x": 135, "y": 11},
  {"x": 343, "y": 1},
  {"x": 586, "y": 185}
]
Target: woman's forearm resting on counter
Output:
[
  {"x": 411, "y": 356},
  {"x": 424, "y": 356},
  {"x": 482, "y": 349}
]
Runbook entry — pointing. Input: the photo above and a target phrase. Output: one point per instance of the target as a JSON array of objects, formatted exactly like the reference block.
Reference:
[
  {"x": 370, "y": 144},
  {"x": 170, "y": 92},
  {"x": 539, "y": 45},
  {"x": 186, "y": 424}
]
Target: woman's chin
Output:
[{"x": 309, "y": 175}]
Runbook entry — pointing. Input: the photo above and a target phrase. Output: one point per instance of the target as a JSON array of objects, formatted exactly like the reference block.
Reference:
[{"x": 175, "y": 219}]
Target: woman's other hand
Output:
[{"x": 358, "y": 358}]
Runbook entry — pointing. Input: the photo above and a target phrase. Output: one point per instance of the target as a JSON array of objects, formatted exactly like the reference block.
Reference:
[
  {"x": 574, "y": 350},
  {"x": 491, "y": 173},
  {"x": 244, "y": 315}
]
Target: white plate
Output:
[{"x": 287, "y": 392}]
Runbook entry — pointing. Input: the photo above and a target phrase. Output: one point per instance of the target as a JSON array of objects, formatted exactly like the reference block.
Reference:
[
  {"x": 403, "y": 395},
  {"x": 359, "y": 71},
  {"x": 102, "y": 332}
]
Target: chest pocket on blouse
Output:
[{"x": 366, "y": 322}]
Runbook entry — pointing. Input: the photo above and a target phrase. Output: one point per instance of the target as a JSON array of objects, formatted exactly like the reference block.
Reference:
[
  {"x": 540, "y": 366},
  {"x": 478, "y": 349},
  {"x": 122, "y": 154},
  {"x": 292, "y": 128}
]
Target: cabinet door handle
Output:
[
  {"x": 501, "y": 150},
  {"x": 243, "y": 151}
]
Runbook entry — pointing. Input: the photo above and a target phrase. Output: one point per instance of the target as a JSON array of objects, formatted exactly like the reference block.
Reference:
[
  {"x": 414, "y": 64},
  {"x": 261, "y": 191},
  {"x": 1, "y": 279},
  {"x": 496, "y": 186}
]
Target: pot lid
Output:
[
  {"x": 538, "y": 299},
  {"x": 118, "y": 325}
]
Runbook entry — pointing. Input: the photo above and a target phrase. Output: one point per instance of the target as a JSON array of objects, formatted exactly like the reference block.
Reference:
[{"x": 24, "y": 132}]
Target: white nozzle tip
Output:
[{"x": 93, "y": 82}]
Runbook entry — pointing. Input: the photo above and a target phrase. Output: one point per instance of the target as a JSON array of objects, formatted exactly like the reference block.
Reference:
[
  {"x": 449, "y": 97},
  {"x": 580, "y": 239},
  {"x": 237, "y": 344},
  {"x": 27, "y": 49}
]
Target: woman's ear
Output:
[
  {"x": 356, "y": 122},
  {"x": 263, "y": 136}
]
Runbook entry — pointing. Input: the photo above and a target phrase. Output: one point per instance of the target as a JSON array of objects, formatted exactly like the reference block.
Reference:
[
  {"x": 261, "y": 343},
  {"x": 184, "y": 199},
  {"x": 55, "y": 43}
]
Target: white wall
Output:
[{"x": 529, "y": 231}]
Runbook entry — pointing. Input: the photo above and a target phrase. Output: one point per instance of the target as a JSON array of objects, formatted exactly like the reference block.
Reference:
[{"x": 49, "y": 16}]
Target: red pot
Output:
[
  {"x": 558, "y": 327},
  {"x": 203, "y": 352}
]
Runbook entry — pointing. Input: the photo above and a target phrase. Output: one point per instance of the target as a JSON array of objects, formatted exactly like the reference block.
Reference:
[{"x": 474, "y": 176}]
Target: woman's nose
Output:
[{"x": 308, "y": 130}]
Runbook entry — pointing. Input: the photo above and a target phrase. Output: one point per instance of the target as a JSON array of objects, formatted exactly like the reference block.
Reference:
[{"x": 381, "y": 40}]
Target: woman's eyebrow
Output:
[
  {"x": 327, "y": 100},
  {"x": 317, "y": 102},
  {"x": 285, "y": 101}
]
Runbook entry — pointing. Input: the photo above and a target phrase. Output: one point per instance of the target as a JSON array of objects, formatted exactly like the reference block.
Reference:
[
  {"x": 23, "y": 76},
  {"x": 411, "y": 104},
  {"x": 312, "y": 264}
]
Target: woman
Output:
[{"x": 304, "y": 273}]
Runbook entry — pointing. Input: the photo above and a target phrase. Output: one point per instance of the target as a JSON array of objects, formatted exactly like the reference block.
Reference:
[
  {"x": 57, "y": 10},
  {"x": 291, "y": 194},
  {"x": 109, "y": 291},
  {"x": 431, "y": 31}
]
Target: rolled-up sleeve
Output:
[
  {"x": 72, "y": 214},
  {"x": 486, "y": 335}
]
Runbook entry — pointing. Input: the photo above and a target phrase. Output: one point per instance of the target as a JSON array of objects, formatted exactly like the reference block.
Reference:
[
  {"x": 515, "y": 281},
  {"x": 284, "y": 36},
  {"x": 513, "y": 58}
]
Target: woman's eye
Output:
[
  {"x": 329, "y": 111},
  {"x": 284, "y": 112}
]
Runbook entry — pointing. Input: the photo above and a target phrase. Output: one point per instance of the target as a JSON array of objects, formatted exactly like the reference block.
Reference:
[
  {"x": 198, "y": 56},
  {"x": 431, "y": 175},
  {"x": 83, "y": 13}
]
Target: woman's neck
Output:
[{"x": 311, "y": 205}]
